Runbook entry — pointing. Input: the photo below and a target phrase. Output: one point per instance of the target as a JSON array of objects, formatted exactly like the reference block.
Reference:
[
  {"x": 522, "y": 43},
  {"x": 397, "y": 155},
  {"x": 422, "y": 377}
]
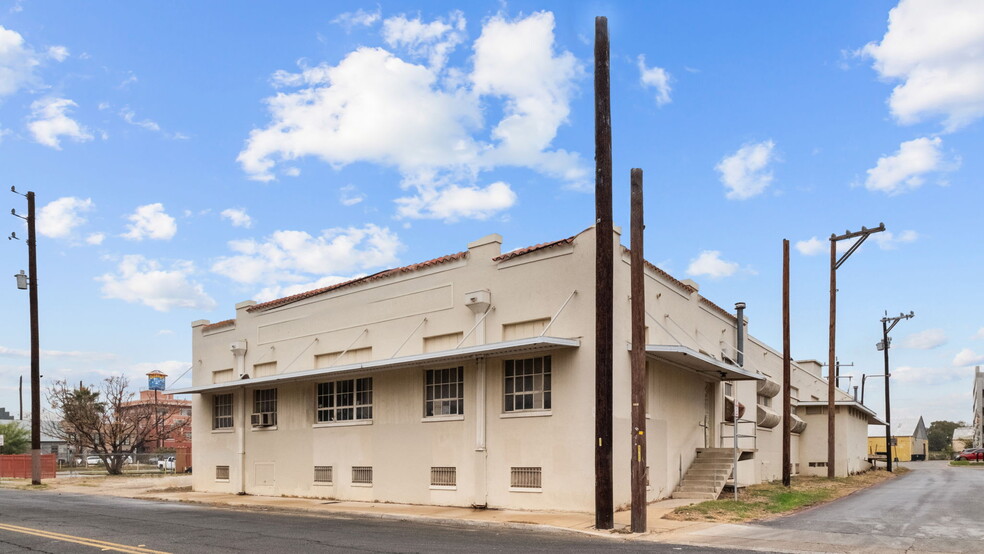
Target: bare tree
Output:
[{"x": 106, "y": 421}]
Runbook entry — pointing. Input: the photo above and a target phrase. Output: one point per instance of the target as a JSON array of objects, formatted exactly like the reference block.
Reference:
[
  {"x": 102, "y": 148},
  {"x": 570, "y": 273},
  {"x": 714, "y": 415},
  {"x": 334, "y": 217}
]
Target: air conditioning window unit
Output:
[{"x": 263, "y": 419}]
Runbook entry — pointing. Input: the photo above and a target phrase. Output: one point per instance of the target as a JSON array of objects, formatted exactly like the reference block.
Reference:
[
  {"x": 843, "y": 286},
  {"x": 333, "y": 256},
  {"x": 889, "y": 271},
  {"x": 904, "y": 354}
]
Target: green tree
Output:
[
  {"x": 940, "y": 434},
  {"x": 16, "y": 439}
]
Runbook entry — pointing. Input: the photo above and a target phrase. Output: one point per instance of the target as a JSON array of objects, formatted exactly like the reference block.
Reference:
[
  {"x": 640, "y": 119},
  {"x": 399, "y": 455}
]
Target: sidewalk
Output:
[{"x": 176, "y": 488}]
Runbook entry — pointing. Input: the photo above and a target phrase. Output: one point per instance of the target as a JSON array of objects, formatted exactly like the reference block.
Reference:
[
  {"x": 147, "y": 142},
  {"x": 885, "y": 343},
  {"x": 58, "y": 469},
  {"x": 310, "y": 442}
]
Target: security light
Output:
[{"x": 21, "y": 280}]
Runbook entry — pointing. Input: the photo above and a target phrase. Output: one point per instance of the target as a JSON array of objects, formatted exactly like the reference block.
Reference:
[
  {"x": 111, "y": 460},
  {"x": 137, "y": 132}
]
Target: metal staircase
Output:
[{"x": 706, "y": 477}]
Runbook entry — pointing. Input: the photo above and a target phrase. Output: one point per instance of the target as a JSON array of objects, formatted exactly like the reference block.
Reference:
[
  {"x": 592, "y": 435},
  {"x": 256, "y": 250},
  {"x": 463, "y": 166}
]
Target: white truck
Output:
[{"x": 166, "y": 464}]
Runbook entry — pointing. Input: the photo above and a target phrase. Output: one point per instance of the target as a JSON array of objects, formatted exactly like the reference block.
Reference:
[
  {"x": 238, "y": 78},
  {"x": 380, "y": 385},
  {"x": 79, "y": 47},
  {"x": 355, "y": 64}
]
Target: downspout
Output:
[
  {"x": 479, "y": 303},
  {"x": 242, "y": 441}
]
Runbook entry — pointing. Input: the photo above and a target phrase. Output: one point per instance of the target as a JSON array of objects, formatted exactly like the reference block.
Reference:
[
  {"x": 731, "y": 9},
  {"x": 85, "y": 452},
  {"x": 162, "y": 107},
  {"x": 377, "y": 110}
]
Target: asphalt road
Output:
[
  {"x": 935, "y": 506},
  {"x": 37, "y": 521}
]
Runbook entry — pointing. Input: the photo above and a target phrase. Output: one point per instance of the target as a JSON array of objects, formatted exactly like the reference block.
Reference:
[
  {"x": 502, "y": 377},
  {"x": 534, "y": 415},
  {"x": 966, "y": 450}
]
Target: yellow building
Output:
[{"x": 907, "y": 448}]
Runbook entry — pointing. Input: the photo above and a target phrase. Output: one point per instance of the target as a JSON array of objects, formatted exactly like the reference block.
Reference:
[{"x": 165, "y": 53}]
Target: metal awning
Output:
[
  {"x": 701, "y": 363},
  {"x": 497, "y": 349},
  {"x": 872, "y": 417}
]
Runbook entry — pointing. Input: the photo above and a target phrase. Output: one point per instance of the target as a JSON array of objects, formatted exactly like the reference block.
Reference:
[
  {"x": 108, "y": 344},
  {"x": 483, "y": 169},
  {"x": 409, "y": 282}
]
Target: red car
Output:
[{"x": 971, "y": 454}]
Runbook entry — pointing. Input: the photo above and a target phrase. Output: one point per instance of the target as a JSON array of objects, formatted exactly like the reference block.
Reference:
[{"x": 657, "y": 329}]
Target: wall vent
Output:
[
  {"x": 221, "y": 473},
  {"x": 444, "y": 477},
  {"x": 323, "y": 474},
  {"x": 361, "y": 475},
  {"x": 526, "y": 478}
]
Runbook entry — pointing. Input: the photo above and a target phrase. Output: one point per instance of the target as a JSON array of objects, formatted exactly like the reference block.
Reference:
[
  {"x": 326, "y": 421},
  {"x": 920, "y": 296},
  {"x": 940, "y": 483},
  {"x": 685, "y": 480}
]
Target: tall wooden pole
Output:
[
  {"x": 888, "y": 401},
  {"x": 786, "y": 363},
  {"x": 32, "y": 269},
  {"x": 604, "y": 256},
  {"x": 831, "y": 378},
  {"x": 638, "y": 455}
]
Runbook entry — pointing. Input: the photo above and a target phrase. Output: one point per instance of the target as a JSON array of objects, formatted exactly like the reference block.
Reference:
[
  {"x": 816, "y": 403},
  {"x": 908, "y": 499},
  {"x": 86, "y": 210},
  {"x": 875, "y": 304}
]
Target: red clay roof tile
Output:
[{"x": 367, "y": 279}]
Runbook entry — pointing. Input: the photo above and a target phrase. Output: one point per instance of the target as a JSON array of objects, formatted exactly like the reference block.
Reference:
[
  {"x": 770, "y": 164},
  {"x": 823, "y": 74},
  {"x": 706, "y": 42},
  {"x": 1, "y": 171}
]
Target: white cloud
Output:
[
  {"x": 95, "y": 239},
  {"x": 936, "y": 50},
  {"x": 967, "y": 357},
  {"x": 49, "y": 121},
  {"x": 655, "y": 77},
  {"x": 58, "y": 53},
  {"x": 927, "y": 375},
  {"x": 238, "y": 217},
  {"x": 279, "y": 291},
  {"x": 453, "y": 202},
  {"x": 59, "y": 218},
  {"x": 350, "y": 195},
  {"x": 130, "y": 117},
  {"x": 813, "y": 246},
  {"x": 515, "y": 60},
  {"x": 365, "y": 107},
  {"x": 296, "y": 256},
  {"x": 979, "y": 335},
  {"x": 887, "y": 240},
  {"x": 59, "y": 354},
  {"x": 165, "y": 332},
  {"x": 434, "y": 40},
  {"x": 292, "y": 172},
  {"x": 745, "y": 173},
  {"x": 907, "y": 168},
  {"x": 139, "y": 280},
  {"x": 17, "y": 63},
  {"x": 924, "y": 340},
  {"x": 709, "y": 263},
  {"x": 359, "y": 18},
  {"x": 150, "y": 222}
]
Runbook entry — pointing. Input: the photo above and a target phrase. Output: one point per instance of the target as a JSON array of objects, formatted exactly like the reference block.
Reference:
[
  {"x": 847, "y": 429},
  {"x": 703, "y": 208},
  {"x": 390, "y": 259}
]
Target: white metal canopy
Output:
[
  {"x": 496, "y": 349},
  {"x": 700, "y": 363}
]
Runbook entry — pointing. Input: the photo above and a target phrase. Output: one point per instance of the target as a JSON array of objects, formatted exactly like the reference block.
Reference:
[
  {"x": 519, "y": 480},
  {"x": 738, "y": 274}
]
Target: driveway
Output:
[{"x": 933, "y": 508}]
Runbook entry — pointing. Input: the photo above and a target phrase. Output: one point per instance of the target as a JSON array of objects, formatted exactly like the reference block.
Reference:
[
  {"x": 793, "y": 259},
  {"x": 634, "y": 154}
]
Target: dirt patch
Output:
[{"x": 772, "y": 500}]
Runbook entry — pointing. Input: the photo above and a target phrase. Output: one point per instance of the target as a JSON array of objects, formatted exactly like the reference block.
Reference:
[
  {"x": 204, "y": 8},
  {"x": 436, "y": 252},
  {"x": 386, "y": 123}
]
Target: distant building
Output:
[
  {"x": 963, "y": 437},
  {"x": 978, "y": 408},
  {"x": 49, "y": 444},
  {"x": 176, "y": 425},
  {"x": 470, "y": 380},
  {"x": 914, "y": 447}
]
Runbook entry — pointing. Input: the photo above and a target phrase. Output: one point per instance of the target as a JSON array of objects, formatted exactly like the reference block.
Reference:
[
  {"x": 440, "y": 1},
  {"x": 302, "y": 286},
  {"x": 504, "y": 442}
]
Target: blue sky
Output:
[{"x": 192, "y": 156}]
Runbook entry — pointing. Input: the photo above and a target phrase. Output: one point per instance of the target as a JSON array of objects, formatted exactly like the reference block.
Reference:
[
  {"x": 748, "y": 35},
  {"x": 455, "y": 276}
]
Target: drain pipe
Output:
[{"x": 740, "y": 345}]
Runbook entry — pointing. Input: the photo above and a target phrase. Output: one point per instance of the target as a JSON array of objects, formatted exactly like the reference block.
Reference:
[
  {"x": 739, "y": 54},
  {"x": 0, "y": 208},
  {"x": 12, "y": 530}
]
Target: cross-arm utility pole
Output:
[
  {"x": 32, "y": 282},
  {"x": 835, "y": 263},
  {"x": 885, "y": 344}
]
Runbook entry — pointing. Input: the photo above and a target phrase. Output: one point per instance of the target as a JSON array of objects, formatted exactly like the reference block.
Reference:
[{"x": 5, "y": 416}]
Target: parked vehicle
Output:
[
  {"x": 970, "y": 454},
  {"x": 166, "y": 464},
  {"x": 93, "y": 460}
]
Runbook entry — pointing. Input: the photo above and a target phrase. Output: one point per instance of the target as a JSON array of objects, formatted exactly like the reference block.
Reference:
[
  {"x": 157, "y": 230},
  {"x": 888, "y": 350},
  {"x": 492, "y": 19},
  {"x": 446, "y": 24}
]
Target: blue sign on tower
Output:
[{"x": 155, "y": 380}]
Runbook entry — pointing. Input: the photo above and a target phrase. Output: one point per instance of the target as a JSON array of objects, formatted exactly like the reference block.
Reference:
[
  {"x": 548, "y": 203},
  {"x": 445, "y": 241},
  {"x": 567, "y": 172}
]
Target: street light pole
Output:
[
  {"x": 835, "y": 263},
  {"x": 32, "y": 282},
  {"x": 885, "y": 345}
]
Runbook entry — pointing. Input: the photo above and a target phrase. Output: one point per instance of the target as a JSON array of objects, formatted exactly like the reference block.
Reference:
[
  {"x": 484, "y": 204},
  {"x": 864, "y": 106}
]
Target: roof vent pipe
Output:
[{"x": 740, "y": 342}]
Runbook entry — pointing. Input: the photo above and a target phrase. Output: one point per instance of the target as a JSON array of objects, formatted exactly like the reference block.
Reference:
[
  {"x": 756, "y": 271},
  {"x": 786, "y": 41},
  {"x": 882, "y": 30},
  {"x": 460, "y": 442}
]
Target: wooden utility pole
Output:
[
  {"x": 604, "y": 282},
  {"x": 835, "y": 263},
  {"x": 32, "y": 269},
  {"x": 638, "y": 455},
  {"x": 786, "y": 362},
  {"x": 831, "y": 379}
]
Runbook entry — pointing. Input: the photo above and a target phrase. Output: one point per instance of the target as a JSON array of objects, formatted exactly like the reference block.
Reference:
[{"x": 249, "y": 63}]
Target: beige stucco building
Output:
[{"x": 469, "y": 380}]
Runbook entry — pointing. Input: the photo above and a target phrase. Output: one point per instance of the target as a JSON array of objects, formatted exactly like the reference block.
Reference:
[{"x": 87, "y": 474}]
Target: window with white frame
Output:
[
  {"x": 222, "y": 411},
  {"x": 264, "y": 407},
  {"x": 345, "y": 400},
  {"x": 765, "y": 400},
  {"x": 526, "y": 384},
  {"x": 444, "y": 392},
  {"x": 323, "y": 474}
]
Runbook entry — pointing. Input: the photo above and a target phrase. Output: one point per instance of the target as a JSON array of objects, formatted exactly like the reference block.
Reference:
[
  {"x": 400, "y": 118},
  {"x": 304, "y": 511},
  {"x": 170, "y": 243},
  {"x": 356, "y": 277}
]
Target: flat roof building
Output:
[{"x": 469, "y": 380}]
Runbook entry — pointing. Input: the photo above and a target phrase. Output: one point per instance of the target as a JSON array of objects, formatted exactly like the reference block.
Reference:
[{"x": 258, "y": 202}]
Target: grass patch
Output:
[
  {"x": 771, "y": 500},
  {"x": 966, "y": 463}
]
